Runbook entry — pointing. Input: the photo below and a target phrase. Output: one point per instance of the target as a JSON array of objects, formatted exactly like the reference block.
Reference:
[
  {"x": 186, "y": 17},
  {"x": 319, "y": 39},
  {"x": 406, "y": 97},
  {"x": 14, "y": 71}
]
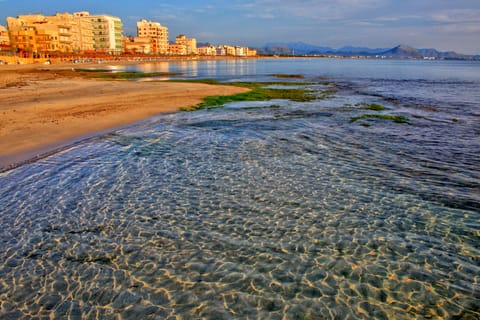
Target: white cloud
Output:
[
  {"x": 261, "y": 15},
  {"x": 311, "y": 9},
  {"x": 167, "y": 17},
  {"x": 461, "y": 28},
  {"x": 457, "y": 16}
]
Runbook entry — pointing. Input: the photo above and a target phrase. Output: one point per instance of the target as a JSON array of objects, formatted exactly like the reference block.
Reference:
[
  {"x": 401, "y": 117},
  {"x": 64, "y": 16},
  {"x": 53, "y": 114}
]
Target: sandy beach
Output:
[{"x": 43, "y": 108}]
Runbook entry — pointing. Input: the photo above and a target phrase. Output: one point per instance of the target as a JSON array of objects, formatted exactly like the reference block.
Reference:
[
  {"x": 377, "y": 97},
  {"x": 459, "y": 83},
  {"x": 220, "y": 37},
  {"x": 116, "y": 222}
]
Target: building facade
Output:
[
  {"x": 137, "y": 45},
  {"x": 83, "y": 40},
  {"x": 177, "y": 49},
  {"x": 4, "y": 39},
  {"x": 156, "y": 33},
  {"x": 107, "y": 33},
  {"x": 41, "y": 36},
  {"x": 251, "y": 52},
  {"x": 189, "y": 43},
  {"x": 207, "y": 51},
  {"x": 38, "y": 36}
]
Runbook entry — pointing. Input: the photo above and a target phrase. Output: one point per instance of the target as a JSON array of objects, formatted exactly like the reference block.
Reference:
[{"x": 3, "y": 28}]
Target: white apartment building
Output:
[{"x": 107, "y": 33}]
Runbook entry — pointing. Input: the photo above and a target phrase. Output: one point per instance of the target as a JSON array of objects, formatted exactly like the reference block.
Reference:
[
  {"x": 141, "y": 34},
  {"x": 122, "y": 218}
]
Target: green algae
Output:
[
  {"x": 258, "y": 92},
  {"x": 326, "y": 94},
  {"x": 288, "y": 76},
  {"x": 394, "y": 118},
  {"x": 371, "y": 106}
]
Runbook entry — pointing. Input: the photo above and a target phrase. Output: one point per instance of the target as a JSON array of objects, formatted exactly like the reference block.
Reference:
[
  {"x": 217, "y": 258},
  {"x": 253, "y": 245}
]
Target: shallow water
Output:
[{"x": 261, "y": 210}]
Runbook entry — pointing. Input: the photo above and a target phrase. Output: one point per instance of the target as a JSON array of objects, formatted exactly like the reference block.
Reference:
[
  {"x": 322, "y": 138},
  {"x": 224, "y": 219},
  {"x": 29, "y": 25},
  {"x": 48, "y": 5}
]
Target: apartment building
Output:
[
  {"x": 230, "y": 50},
  {"x": 4, "y": 39},
  {"x": 177, "y": 49},
  {"x": 189, "y": 43},
  {"x": 82, "y": 38},
  {"x": 227, "y": 50},
  {"x": 241, "y": 51},
  {"x": 221, "y": 51},
  {"x": 107, "y": 33},
  {"x": 38, "y": 35},
  {"x": 137, "y": 45},
  {"x": 155, "y": 33},
  {"x": 207, "y": 51},
  {"x": 251, "y": 52},
  {"x": 41, "y": 36}
]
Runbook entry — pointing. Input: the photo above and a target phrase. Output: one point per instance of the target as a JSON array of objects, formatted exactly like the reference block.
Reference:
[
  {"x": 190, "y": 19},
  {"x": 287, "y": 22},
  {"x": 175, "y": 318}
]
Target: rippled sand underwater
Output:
[{"x": 289, "y": 212}]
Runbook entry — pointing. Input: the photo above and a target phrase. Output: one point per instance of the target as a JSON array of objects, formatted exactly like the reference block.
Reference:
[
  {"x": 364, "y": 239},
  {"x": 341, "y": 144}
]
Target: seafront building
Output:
[
  {"x": 226, "y": 50},
  {"x": 155, "y": 33},
  {"x": 207, "y": 51},
  {"x": 230, "y": 50},
  {"x": 137, "y": 45},
  {"x": 251, "y": 52},
  {"x": 83, "y": 40},
  {"x": 175, "y": 49},
  {"x": 4, "y": 39},
  {"x": 107, "y": 33},
  {"x": 189, "y": 43},
  {"x": 40, "y": 36}
]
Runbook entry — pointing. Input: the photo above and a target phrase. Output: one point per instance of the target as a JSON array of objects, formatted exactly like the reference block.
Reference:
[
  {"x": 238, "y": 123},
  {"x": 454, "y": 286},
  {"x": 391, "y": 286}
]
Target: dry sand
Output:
[{"x": 41, "y": 110}]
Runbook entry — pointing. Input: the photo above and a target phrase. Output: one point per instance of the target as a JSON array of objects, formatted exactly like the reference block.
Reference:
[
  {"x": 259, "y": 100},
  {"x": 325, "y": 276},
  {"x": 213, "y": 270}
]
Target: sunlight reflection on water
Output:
[{"x": 285, "y": 212}]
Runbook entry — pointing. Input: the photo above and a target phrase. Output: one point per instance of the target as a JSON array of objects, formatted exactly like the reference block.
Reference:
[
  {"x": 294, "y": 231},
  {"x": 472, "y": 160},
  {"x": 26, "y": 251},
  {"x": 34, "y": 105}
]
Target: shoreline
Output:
[{"x": 49, "y": 108}]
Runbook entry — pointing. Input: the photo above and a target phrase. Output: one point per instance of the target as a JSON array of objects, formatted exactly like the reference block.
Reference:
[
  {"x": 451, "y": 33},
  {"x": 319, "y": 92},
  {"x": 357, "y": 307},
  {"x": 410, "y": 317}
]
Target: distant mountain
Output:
[
  {"x": 296, "y": 48},
  {"x": 272, "y": 49},
  {"x": 402, "y": 52},
  {"x": 406, "y": 52},
  {"x": 300, "y": 48},
  {"x": 398, "y": 52},
  {"x": 359, "y": 50},
  {"x": 446, "y": 55}
]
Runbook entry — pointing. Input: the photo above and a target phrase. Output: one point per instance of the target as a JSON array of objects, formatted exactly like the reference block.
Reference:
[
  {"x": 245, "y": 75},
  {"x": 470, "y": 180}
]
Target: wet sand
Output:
[{"x": 44, "y": 109}]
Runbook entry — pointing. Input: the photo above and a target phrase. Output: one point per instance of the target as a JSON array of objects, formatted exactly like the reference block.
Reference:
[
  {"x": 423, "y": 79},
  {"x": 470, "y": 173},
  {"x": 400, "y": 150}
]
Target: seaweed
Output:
[
  {"x": 394, "y": 118},
  {"x": 257, "y": 93},
  {"x": 288, "y": 76},
  {"x": 371, "y": 106}
]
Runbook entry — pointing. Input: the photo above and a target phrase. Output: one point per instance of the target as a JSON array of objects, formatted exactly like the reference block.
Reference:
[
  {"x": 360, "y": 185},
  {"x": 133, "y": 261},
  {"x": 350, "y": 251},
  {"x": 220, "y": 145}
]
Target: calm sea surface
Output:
[{"x": 261, "y": 210}]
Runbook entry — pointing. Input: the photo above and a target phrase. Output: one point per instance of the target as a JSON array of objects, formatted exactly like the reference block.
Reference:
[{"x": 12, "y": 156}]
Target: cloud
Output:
[
  {"x": 461, "y": 28},
  {"x": 167, "y": 17},
  {"x": 264, "y": 15},
  {"x": 457, "y": 16},
  {"x": 310, "y": 9},
  {"x": 204, "y": 9}
]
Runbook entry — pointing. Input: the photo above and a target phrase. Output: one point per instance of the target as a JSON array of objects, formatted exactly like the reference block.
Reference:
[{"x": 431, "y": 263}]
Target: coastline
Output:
[{"x": 45, "y": 108}]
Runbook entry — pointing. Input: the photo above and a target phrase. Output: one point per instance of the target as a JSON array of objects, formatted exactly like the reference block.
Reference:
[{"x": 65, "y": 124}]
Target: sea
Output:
[{"x": 278, "y": 209}]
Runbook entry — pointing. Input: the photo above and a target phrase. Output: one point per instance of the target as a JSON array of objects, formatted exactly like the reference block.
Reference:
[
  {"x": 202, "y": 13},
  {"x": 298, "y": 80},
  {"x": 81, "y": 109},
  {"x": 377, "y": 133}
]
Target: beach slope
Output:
[{"x": 41, "y": 110}]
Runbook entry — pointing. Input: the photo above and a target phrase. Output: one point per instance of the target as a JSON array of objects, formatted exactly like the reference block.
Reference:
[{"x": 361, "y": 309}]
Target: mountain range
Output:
[{"x": 398, "y": 52}]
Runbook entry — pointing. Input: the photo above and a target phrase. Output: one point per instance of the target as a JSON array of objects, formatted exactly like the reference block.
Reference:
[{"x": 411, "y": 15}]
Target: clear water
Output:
[{"x": 254, "y": 211}]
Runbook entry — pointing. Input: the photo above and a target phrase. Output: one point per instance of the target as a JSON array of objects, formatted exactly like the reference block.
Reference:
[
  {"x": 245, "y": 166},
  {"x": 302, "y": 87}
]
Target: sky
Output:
[{"x": 442, "y": 24}]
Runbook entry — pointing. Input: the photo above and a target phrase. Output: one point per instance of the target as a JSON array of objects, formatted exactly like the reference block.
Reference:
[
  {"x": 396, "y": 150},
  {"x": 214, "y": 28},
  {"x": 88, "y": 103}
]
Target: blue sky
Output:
[{"x": 442, "y": 24}]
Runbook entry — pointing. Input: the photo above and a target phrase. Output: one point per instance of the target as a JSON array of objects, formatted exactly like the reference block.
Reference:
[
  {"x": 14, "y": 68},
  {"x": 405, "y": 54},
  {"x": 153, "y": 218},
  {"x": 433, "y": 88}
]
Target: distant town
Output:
[
  {"x": 36, "y": 36},
  {"x": 81, "y": 35}
]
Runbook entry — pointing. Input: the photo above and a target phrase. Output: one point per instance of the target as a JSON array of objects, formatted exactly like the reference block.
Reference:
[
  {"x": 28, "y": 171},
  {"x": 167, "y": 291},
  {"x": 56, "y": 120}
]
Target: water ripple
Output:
[{"x": 288, "y": 212}]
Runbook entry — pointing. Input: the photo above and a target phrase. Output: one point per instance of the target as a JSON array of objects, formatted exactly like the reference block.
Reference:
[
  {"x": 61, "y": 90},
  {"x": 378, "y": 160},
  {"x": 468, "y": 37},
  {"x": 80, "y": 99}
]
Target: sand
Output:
[{"x": 42, "y": 110}]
